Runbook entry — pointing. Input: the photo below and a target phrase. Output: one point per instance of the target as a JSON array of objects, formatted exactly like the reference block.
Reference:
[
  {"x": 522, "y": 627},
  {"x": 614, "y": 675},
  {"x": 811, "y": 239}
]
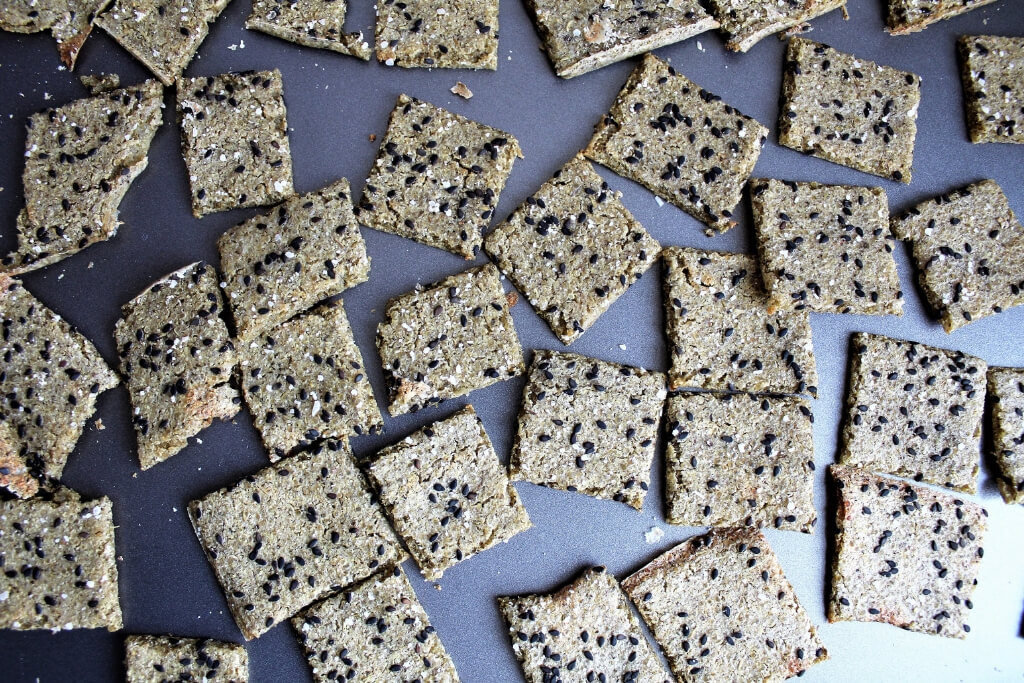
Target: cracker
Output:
[
  {"x": 176, "y": 359},
  {"x": 438, "y": 33},
  {"x": 826, "y": 248},
  {"x": 992, "y": 68},
  {"x": 746, "y": 22},
  {"x": 848, "y": 110},
  {"x": 908, "y": 16},
  {"x": 679, "y": 141},
  {"x": 234, "y": 140},
  {"x": 376, "y": 630},
  {"x": 446, "y": 493},
  {"x": 968, "y": 248},
  {"x": 572, "y": 248},
  {"x": 914, "y": 411},
  {"x": 154, "y": 659},
  {"x": 588, "y": 425},
  {"x": 721, "y": 609},
  {"x": 437, "y": 177},
  {"x": 722, "y": 332},
  {"x": 448, "y": 339},
  {"x": 291, "y": 534},
  {"x": 283, "y": 262},
  {"x": 585, "y": 631},
  {"x": 304, "y": 381},
  {"x": 740, "y": 460},
  {"x": 905, "y": 555},
  {"x": 313, "y": 23},
  {"x": 59, "y": 568},
  {"x": 69, "y": 21},
  {"x": 1006, "y": 391},
  {"x": 99, "y": 83}
]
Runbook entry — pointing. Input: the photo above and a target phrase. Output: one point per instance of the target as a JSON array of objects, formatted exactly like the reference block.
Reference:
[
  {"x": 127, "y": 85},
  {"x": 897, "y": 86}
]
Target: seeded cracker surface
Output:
[
  {"x": 746, "y": 22},
  {"x": 234, "y": 140},
  {"x": 291, "y": 534},
  {"x": 589, "y": 426},
  {"x": 304, "y": 381},
  {"x": 447, "y": 339},
  {"x": 155, "y": 659},
  {"x": 60, "y": 569},
  {"x": 376, "y": 630},
  {"x": 447, "y": 494},
  {"x": 69, "y": 21},
  {"x": 679, "y": 141},
  {"x": 580, "y": 36},
  {"x": 905, "y": 555},
  {"x": 285, "y": 261},
  {"x": 721, "y": 609},
  {"x": 722, "y": 332},
  {"x": 1006, "y": 390},
  {"x": 969, "y": 251},
  {"x": 849, "y": 111},
  {"x": 313, "y": 23},
  {"x": 49, "y": 381},
  {"x": 100, "y": 82},
  {"x": 177, "y": 359},
  {"x": 585, "y": 632},
  {"x": 908, "y": 16},
  {"x": 826, "y": 248},
  {"x": 993, "y": 74},
  {"x": 572, "y": 249},
  {"x": 437, "y": 177},
  {"x": 445, "y": 34}
]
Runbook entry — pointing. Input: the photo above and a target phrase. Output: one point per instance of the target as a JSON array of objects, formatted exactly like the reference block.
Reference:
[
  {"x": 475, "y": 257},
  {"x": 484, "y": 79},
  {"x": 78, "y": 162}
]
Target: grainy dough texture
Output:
[
  {"x": 1006, "y": 392},
  {"x": 993, "y": 75},
  {"x": 155, "y": 659},
  {"x": 746, "y": 22},
  {"x": 69, "y": 21},
  {"x": 908, "y": 16},
  {"x": 444, "y": 34},
  {"x": 313, "y": 23}
]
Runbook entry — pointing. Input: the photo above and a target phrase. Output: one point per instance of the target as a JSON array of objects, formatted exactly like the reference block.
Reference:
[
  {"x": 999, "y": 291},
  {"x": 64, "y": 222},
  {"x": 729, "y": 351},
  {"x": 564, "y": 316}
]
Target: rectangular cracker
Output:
[
  {"x": 234, "y": 137},
  {"x": 848, "y": 110},
  {"x": 826, "y": 248},
  {"x": 746, "y": 22},
  {"x": 437, "y": 177},
  {"x": 585, "y": 631},
  {"x": 590, "y": 426},
  {"x": 908, "y": 16},
  {"x": 1006, "y": 393},
  {"x": 59, "y": 570},
  {"x": 905, "y": 555},
  {"x": 721, "y": 608},
  {"x": 169, "y": 658},
  {"x": 313, "y": 23},
  {"x": 69, "y": 21},
  {"x": 446, "y": 493},
  {"x": 740, "y": 460},
  {"x": 914, "y": 411},
  {"x": 438, "y": 34},
  {"x": 448, "y": 339},
  {"x": 992, "y": 68},
  {"x": 723, "y": 333},
  {"x": 968, "y": 248},
  {"x": 291, "y": 534},
  {"x": 279, "y": 264},
  {"x": 679, "y": 141},
  {"x": 375, "y": 630},
  {"x": 572, "y": 249},
  {"x": 176, "y": 359}
]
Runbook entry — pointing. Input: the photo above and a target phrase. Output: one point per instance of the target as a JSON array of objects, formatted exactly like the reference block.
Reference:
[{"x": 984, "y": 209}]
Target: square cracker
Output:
[
  {"x": 572, "y": 248},
  {"x": 908, "y": 16},
  {"x": 992, "y": 68},
  {"x": 69, "y": 21},
  {"x": 291, "y": 534},
  {"x": 446, "y": 493},
  {"x": 1006, "y": 392},
  {"x": 588, "y": 425},
  {"x": 721, "y": 608},
  {"x": 905, "y": 555},
  {"x": 313, "y": 23},
  {"x": 438, "y": 34},
  {"x": 746, "y": 22},
  {"x": 154, "y": 659}
]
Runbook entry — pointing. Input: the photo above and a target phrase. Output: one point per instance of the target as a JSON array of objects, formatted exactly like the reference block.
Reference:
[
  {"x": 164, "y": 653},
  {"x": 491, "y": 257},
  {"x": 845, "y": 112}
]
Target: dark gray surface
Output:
[{"x": 334, "y": 104}]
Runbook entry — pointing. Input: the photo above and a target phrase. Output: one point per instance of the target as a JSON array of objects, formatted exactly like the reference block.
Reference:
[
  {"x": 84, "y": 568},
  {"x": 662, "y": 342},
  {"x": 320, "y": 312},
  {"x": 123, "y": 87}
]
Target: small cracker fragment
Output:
[
  {"x": 462, "y": 90},
  {"x": 992, "y": 68},
  {"x": 723, "y": 333},
  {"x": 721, "y": 608},
  {"x": 588, "y": 425},
  {"x": 1006, "y": 392},
  {"x": 908, "y": 16},
  {"x": 914, "y": 411},
  {"x": 446, "y": 492},
  {"x": 375, "y": 630},
  {"x": 968, "y": 247},
  {"x": 826, "y": 248},
  {"x": 447, "y": 339},
  {"x": 291, "y": 534},
  {"x": 438, "y": 33},
  {"x": 154, "y": 659},
  {"x": 313, "y": 23},
  {"x": 746, "y": 22},
  {"x": 848, "y": 110},
  {"x": 69, "y": 21},
  {"x": 905, "y": 555},
  {"x": 437, "y": 177},
  {"x": 585, "y": 631},
  {"x": 572, "y": 248},
  {"x": 101, "y": 82}
]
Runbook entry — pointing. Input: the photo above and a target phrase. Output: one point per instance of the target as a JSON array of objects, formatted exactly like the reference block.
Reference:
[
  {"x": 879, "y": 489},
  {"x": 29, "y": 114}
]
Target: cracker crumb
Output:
[
  {"x": 100, "y": 426},
  {"x": 654, "y": 534},
  {"x": 462, "y": 90},
  {"x": 373, "y": 137}
]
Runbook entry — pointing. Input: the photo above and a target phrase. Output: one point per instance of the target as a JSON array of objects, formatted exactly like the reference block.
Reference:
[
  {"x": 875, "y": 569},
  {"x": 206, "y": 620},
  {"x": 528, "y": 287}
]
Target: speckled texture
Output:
[
  {"x": 746, "y": 22},
  {"x": 1006, "y": 393},
  {"x": 69, "y": 21},
  {"x": 100, "y": 82},
  {"x": 313, "y": 23},
  {"x": 908, "y": 16},
  {"x": 992, "y": 68},
  {"x": 438, "y": 34},
  {"x": 156, "y": 659}
]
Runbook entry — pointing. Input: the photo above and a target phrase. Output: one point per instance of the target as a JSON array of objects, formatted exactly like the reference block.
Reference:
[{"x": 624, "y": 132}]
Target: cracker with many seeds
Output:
[
  {"x": 443, "y": 34},
  {"x": 291, "y": 534},
  {"x": 905, "y": 555},
  {"x": 376, "y": 630},
  {"x": 914, "y": 411},
  {"x": 848, "y": 110},
  {"x": 446, "y": 493},
  {"x": 313, "y": 23},
  {"x": 155, "y": 659},
  {"x": 722, "y": 609},
  {"x": 585, "y": 631},
  {"x": 826, "y": 248},
  {"x": 992, "y": 68},
  {"x": 908, "y": 16},
  {"x": 1006, "y": 391},
  {"x": 746, "y": 22},
  {"x": 588, "y": 425},
  {"x": 177, "y": 359},
  {"x": 679, "y": 141},
  {"x": 69, "y": 21}
]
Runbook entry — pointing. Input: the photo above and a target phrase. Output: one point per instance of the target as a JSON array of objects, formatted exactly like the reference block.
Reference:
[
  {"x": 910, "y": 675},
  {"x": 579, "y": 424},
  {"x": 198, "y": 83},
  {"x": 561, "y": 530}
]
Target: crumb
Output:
[
  {"x": 512, "y": 299},
  {"x": 99, "y": 425},
  {"x": 654, "y": 534},
  {"x": 462, "y": 90},
  {"x": 661, "y": 202},
  {"x": 373, "y": 136},
  {"x": 622, "y": 346}
]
